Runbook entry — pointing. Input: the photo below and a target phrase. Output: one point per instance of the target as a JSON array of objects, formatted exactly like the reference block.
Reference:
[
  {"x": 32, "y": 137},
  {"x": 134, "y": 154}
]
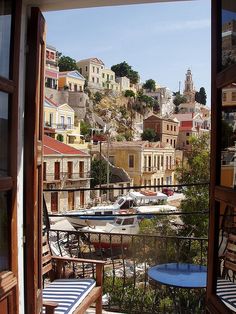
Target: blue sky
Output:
[{"x": 160, "y": 41}]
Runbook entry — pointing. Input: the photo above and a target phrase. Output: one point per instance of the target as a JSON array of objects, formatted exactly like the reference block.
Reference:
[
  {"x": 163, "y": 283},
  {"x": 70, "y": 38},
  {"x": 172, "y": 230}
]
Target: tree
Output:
[
  {"x": 150, "y": 85},
  {"x": 149, "y": 135},
  {"x": 201, "y": 96},
  {"x": 195, "y": 170},
  {"x": 97, "y": 97},
  {"x": 85, "y": 129},
  {"x": 66, "y": 63},
  {"x": 179, "y": 99},
  {"x": 99, "y": 172},
  {"x": 129, "y": 93},
  {"x": 124, "y": 69},
  {"x": 60, "y": 137}
]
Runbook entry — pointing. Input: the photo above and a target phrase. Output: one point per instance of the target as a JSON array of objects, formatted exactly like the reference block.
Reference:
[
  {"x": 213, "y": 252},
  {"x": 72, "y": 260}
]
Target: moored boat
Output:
[
  {"x": 112, "y": 235},
  {"x": 127, "y": 204}
]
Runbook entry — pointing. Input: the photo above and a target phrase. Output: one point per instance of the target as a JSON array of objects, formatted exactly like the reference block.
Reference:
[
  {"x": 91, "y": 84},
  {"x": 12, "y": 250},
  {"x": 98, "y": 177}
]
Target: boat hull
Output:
[{"x": 110, "y": 241}]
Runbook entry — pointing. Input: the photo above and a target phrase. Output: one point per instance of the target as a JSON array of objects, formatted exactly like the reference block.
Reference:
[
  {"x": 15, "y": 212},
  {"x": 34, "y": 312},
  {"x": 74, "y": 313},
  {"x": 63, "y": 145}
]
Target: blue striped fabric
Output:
[
  {"x": 68, "y": 293},
  {"x": 226, "y": 290}
]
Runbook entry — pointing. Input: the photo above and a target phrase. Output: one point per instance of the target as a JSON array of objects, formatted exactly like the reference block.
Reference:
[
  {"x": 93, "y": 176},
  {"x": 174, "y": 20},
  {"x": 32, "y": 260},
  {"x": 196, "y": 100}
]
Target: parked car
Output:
[{"x": 168, "y": 191}]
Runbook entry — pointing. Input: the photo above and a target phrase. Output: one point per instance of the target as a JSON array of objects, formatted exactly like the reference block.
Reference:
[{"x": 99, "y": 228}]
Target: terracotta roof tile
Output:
[
  {"x": 52, "y": 147},
  {"x": 51, "y": 102}
]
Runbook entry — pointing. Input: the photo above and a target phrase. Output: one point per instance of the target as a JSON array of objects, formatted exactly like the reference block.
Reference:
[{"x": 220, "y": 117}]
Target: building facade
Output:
[
  {"x": 72, "y": 81},
  {"x": 65, "y": 168},
  {"x": 108, "y": 80},
  {"x": 146, "y": 163},
  {"x": 51, "y": 68},
  {"x": 124, "y": 83},
  {"x": 91, "y": 69},
  {"x": 190, "y": 124},
  {"x": 166, "y": 129}
]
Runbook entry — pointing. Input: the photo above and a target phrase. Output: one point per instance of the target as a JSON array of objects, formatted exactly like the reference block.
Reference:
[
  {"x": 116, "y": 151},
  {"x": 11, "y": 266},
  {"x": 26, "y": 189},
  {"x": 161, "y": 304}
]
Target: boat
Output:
[
  {"x": 150, "y": 211},
  {"x": 113, "y": 235},
  {"x": 126, "y": 204}
]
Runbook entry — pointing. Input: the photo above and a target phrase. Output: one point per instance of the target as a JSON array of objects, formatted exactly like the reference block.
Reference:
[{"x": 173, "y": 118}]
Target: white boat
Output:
[
  {"x": 116, "y": 234},
  {"x": 126, "y": 204},
  {"x": 155, "y": 209}
]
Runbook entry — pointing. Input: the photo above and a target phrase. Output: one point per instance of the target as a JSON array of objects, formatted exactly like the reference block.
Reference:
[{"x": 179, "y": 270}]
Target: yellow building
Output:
[
  {"x": 50, "y": 113},
  {"x": 71, "y": 80},
  {"x": 59, "y": 122},
  {"x": 146, "y": 163},
  {"x": 91, "y": 69},
  {"x": 108, "y": 80}
]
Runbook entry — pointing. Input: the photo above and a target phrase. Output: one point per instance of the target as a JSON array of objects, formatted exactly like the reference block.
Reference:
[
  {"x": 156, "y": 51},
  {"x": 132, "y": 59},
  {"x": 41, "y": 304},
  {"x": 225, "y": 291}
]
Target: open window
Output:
[{"x": 223, "y": 153}]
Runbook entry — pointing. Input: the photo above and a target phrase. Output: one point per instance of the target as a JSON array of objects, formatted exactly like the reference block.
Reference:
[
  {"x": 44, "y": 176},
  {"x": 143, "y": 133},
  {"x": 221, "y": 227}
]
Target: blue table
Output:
[{"x": 179, "y": 275}]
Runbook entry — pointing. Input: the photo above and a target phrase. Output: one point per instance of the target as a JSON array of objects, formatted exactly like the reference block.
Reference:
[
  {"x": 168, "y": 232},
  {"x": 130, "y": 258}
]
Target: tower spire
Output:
[{"x": 189, "y": 91}]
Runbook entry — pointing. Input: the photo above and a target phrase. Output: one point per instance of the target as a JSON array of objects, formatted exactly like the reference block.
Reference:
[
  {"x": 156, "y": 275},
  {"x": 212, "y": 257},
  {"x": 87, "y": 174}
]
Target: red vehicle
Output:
[{"x": 168, "y": 191}]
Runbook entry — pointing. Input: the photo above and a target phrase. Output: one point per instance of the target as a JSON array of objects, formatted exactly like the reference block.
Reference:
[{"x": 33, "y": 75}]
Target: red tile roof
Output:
[
  {"x": 186, "y": 124},
  {"x": 52, "y": 147},
  {"x": 51, "y": 101}
]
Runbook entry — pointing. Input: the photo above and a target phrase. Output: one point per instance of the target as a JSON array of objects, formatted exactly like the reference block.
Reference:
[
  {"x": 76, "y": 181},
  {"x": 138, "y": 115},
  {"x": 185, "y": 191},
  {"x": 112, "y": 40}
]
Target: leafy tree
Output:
[
  {"x": 66, "y": 63},
  {"x": 201, "y": 96},
  {"x": 195, "y": 170},
  {"x": 97, "y": 97},
  {"x": 99, "y": 172},
  {"x": 149, "y": 135},
  {"x": 156, "y": 106},
  {"x": 124, "y": 69},
  {"x": 129, "y": 93},
  {"x": 85, "y": 128},
  {"x": 149, "y": 101},
  {"x": 60, "y": 137},
  {"x": 150, "y": 85},
  {"x": 179, "y": 99},
  {"x": 128, "y": 135}
]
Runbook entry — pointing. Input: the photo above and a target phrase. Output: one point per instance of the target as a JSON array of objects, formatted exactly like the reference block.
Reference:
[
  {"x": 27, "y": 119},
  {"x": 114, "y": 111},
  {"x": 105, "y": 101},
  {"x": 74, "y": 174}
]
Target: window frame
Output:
[
  {"x": 218, "y": 193},
  {"x": 8, "y": 183}
]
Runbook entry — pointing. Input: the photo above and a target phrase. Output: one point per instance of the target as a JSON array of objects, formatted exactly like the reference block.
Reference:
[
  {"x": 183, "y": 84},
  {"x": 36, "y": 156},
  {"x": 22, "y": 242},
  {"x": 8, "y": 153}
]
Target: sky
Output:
[{"x": 160, "y": 41}]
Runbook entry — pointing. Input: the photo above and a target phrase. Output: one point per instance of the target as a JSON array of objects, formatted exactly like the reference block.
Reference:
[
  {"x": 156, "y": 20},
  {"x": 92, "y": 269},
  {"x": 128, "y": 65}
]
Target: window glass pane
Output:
[
  {"x": 3, "y": 134},
  {"x": 5, "y": 36},
  {"x": 228, "y": 136},
  {"x": 4, "y": 232},
  {"x": 226, "y": 252}
]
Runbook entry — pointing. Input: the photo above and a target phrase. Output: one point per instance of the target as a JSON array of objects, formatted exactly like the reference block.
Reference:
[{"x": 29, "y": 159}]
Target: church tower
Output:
[{"x": 189, "y": 91}]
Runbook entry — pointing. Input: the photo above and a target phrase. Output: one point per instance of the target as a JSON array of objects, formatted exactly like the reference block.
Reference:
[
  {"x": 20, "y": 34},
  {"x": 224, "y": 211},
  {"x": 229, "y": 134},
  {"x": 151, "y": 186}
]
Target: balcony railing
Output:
[
  {"x": 156, "y": 169},
  {"x": 176, "y": 237},
  {"x": 64, "y": 176},
  {"x": 60, "y": 126},
  {"x": 127, "y": 288}
]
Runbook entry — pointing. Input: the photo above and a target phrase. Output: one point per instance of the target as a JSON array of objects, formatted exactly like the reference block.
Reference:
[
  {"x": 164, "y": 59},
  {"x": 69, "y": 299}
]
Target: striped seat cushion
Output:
[
  {"x": 68, "y": 293},
  {"x": 226, "y": 290}
]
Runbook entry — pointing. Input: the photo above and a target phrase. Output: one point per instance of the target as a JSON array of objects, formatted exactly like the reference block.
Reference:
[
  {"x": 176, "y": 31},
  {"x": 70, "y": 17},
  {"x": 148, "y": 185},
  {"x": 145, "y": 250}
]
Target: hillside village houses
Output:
[
  {"x": 145, "y": 163},
  {"x": 65, "y": 168}
]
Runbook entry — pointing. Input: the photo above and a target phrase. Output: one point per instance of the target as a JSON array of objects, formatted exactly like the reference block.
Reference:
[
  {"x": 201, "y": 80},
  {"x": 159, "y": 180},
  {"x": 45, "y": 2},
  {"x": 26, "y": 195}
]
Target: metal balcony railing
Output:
[
  {"x": 62, "y": 176},
  {"x": 127, "y": 288},
  {"x": 156, "y": 169},
  {"x": 60, "y": 126}
]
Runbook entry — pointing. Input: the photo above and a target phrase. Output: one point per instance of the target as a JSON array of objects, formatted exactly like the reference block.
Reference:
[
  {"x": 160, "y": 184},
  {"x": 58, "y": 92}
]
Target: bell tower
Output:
[{"x": 189, "y": 91}]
